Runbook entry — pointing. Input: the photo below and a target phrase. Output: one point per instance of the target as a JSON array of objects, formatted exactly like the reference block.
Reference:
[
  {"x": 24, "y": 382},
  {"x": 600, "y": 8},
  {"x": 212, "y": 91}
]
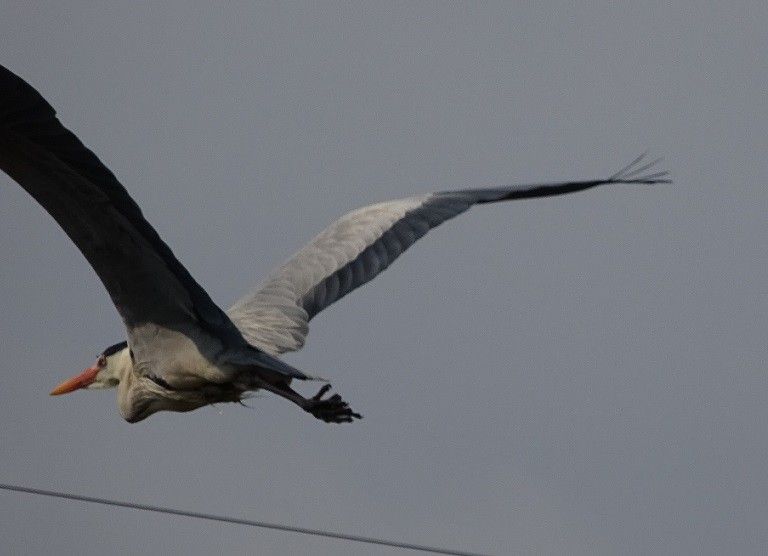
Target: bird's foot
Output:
[{"x": 330, "y": 410}]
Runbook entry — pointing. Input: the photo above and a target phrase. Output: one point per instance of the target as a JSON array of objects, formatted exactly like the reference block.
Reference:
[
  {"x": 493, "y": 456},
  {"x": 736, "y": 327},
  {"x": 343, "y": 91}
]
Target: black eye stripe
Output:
[{"x": 111, "y": 350}]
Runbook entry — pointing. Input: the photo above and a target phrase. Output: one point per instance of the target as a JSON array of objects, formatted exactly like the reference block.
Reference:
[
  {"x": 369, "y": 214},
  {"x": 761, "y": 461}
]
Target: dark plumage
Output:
[{"x": 183, "y": 351}]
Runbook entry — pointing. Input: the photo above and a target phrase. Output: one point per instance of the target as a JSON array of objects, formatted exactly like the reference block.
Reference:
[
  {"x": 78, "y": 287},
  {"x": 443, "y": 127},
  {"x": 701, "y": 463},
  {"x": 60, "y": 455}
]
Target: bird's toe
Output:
[{"x": 331, "y": 410}]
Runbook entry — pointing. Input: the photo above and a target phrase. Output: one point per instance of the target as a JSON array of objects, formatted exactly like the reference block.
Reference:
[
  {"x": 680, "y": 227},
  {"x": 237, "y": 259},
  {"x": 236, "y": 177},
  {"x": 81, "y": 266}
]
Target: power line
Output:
[{"x": 238, "y": 521}]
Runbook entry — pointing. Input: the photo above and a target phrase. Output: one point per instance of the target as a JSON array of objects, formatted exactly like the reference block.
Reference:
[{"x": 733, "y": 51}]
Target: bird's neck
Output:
[
  {"x": 124, "y": 364},
  {"x": 120, "y": 368}
]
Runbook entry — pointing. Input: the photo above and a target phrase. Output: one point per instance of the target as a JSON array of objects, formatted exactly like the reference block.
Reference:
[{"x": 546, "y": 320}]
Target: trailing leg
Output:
[{"x": 331, "y": 410}]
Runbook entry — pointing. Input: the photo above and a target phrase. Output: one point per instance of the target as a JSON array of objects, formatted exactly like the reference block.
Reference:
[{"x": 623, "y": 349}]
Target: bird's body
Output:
[
  {"x": 195, "y": 374},
  {"x": 182, "y": 351}
]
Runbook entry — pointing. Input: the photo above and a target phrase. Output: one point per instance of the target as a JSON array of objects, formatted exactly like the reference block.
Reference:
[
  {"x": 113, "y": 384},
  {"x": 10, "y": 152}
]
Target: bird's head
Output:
[{"x": 104, "y": 373}]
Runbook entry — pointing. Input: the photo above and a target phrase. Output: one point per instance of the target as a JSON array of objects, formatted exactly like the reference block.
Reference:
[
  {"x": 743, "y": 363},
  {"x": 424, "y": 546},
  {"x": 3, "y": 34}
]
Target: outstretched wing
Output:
[
  {"x": 146, "y": 282},
  {"x": 363, "y": 243},
  {"x": 143, "y": 277}
]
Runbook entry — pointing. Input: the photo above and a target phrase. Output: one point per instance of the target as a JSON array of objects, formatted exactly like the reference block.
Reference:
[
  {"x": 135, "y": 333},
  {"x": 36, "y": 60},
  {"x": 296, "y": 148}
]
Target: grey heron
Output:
[{"x": 182, "y": 351}]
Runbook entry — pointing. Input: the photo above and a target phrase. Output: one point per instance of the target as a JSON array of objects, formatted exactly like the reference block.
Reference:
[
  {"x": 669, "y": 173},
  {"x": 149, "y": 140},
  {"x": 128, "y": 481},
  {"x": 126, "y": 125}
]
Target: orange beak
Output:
[{"x": 77, "y": 382}]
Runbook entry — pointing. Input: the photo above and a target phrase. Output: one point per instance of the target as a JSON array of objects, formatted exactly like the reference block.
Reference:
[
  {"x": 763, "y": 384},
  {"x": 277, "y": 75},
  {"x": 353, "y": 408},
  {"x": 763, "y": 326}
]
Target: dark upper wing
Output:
[
  {"x": 361, "y": 244},
  {"x": 145, "y": 280}
]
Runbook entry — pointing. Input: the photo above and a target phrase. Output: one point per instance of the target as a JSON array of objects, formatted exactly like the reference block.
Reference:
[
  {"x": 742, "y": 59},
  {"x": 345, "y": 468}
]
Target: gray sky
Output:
[{"x": 583, "y": 374}]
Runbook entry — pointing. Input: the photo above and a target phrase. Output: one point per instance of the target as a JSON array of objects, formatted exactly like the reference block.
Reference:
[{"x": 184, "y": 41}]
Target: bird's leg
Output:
[{"x": 331, "y": 410}]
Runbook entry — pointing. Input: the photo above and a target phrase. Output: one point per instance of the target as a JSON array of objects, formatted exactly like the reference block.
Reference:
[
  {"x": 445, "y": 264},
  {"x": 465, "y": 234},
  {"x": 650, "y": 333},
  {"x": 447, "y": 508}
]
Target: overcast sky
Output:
[{"x": 583, "y": 374}]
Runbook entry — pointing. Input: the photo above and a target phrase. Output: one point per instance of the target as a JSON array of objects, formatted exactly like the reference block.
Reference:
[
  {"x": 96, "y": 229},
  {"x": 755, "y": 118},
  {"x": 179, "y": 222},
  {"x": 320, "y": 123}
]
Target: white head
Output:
[{"x": 110, "y": 366}]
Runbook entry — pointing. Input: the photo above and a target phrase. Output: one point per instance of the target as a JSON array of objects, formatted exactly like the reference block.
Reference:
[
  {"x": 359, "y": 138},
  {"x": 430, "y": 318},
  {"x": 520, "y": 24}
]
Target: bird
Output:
[{"x": 182, "y": 351}]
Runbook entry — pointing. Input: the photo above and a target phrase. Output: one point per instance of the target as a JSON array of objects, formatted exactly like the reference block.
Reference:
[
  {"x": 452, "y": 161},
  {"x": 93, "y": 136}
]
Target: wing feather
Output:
[
  {"x": 143, "y": 277},
  {"x": 357, "y": 247}
]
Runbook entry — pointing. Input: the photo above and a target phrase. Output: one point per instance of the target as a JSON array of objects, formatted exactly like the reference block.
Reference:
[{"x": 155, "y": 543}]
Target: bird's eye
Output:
[{"x": 102, "y": 361}]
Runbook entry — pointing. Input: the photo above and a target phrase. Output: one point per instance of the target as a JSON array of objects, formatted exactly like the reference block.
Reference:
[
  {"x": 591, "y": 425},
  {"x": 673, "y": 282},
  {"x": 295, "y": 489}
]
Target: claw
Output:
[{"x": 331, "y": 410}]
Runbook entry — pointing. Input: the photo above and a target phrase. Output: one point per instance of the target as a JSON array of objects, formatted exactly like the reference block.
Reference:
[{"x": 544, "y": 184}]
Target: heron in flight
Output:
[{"x": 182, "y": 351}]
